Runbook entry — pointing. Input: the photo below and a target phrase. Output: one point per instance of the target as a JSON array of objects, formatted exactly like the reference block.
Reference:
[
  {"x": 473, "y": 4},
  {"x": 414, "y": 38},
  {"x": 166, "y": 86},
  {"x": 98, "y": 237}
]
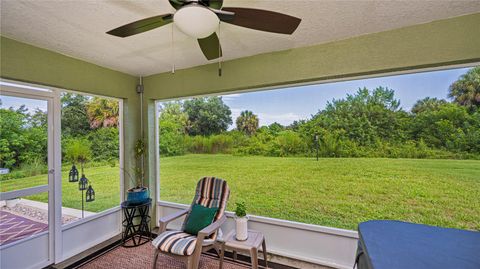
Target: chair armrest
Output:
[
  {"x": 205, "y": 232},
  {"x": 210, "y": 229},
  {"x": 167, "y": 219}
]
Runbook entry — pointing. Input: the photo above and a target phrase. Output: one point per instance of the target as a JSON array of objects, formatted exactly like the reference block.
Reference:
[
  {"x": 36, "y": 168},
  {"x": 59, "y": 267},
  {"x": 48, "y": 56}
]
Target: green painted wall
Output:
[
  {"x": 439, "y": 43},
  {"x": 27, "y": 63},
  {"x": 20, "y": 61}
]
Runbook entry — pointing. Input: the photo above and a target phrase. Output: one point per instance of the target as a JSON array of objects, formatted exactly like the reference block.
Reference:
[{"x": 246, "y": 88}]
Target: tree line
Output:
[
  {"x": 89, "y": 121},
  {"x": 369, "y": 123}
]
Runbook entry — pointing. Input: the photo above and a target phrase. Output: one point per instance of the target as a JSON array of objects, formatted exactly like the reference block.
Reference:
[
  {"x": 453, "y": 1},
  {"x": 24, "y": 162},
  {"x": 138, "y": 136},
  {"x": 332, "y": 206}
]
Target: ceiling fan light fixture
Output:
[{"x": 196, "y": 21}]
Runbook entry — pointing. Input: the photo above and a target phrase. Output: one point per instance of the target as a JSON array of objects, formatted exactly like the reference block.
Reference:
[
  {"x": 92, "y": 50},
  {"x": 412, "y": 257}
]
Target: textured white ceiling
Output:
[{"x": 77, "y": 28}]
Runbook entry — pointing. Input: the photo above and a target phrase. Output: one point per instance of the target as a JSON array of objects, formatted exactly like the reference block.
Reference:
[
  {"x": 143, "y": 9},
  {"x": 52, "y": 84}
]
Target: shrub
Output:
[
  {"x": 34, "y": 167},
  {"x": 240, "y": 139},
  {"x": 27, "y": 169},
  {"x": 449, "y": 127},
  {"x": 329, "y": 144},
  {"x": 288, "y": 143},
  {"x": 172, "y": 144},
  {"x": 253, "y": 146},
  {"x": 104, "y": 144},
  {"x": 35, "y": 146},
  {"x": 195, "y": 144},
  {"x": 172, "y": 131},
  {"x": 221, "y": 143},
  {"x": 78, "y": 150}
]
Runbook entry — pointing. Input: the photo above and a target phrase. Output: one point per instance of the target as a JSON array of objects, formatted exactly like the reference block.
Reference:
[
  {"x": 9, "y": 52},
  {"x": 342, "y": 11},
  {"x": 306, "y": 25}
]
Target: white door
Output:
[{"x": 30, "y": 200}]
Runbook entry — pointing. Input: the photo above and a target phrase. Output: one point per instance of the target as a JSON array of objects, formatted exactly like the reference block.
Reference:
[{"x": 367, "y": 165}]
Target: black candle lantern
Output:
[
  {"x": 90, "y": 194},
  {"x": 82, "y": 184},
  {"x": 73, "y": 174}
]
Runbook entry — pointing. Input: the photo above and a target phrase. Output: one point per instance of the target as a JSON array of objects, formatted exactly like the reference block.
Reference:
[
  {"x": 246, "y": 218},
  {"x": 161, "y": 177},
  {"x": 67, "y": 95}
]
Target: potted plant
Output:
[
  {"x": 139, "y": 193},
  {"x": 241, "y": 221}
]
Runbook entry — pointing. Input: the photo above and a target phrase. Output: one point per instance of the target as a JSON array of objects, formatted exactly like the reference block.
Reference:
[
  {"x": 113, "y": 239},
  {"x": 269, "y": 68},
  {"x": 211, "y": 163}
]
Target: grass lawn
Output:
[
  {"x": 336, "y": 192},
  {"x": 333, "y": 192},
  {"x": 105, "y": 181}
]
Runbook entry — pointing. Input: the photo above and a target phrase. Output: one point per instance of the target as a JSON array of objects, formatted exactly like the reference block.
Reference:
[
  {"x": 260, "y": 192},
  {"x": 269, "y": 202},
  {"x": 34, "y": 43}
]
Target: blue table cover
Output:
[{"x": 396, "y": 244}]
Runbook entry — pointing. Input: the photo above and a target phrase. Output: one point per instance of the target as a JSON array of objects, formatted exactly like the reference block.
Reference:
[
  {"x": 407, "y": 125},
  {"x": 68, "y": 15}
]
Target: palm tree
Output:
[
  {"x": 428, "y": 104},
  {"x": 102, "y": 112},
  {"x": 466, "y": 90},
  {"x": 247, "y": 122}
]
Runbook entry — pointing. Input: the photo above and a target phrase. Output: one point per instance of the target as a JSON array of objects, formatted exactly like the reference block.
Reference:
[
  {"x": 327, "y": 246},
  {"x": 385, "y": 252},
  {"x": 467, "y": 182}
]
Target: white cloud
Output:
[
  {"x": 283, "y": 119},
  {"x": 235, "y": 114},
  {"x": 230, "y": 97},
  {"x": 267, "y": 119}
]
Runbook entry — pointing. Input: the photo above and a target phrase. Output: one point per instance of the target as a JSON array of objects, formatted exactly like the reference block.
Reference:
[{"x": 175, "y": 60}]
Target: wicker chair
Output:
[{"x": 210, "y": 192}]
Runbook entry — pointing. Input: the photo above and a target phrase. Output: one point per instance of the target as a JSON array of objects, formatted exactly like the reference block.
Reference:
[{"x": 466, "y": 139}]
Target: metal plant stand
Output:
[{"x": 136, "y": 224}]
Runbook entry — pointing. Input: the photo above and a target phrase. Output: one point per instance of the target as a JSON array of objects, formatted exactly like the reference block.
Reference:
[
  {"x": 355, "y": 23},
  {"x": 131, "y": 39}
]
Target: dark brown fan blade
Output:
[
  {"x": 142, "y": 25},
  {"x": 223, "y": 15},
  {"x": 215, "y": 4},
  {"x": 210, "y": 46},
  {"x": 263, "y": 20},
  {"x": 176, "y": 4}
]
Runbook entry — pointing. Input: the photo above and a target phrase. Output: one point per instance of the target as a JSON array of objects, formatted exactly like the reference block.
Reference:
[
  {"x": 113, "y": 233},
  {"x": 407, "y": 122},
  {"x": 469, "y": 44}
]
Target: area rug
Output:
[
  {"x": 14, "y": 227},
  {"x": 142, "y": 257}
]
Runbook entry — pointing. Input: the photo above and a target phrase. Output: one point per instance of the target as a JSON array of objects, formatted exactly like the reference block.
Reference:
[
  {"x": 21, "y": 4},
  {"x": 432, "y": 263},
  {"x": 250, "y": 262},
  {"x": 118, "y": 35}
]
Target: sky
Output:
[
  {"x": 16, "y": 102},
  {"x": 294, "y": 103},
  {"x": 286, "y": 105}
]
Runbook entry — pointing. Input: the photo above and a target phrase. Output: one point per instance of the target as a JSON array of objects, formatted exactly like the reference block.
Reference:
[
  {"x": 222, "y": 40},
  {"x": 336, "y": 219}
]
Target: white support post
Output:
[{"x": 57, "y": 183}]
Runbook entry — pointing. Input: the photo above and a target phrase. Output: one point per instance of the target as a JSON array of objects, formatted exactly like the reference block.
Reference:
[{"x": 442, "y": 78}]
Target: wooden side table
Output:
[{"x": 252, "y": 244}]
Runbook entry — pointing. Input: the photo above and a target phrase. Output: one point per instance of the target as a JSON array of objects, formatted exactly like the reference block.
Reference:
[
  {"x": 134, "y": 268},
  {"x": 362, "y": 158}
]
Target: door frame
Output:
[
  {"x": 59, "y": 249},
  {"x": 54, "y": 186}
]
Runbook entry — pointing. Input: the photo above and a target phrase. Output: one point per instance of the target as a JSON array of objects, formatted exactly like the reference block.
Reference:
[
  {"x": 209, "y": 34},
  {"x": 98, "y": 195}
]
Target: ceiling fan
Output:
[{"x": 200, "y": 19}]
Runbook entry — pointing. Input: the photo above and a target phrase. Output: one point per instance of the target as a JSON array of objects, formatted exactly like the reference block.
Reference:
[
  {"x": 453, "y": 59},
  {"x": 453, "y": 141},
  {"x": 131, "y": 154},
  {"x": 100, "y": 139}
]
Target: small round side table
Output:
[{"x": 136, "y": 224}]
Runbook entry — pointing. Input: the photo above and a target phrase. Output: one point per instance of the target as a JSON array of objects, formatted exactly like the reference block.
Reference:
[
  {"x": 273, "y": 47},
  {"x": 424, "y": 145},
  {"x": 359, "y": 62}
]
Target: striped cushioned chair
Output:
[{"x": 210, "y": 192}]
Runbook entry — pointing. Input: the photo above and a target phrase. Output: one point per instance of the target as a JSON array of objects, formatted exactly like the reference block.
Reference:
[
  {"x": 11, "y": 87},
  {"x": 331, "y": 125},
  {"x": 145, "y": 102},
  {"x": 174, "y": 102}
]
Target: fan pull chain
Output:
[
  {"x": 220, "y": 56},
  {"x": 173, "y": 52}
]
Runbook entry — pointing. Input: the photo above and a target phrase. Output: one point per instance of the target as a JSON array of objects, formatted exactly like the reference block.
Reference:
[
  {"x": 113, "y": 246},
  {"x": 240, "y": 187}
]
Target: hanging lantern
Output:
[
  {"x": 82, "y": 184},
  {"x": 90, "y": 195},
  {"x": 73, "y": 174}
]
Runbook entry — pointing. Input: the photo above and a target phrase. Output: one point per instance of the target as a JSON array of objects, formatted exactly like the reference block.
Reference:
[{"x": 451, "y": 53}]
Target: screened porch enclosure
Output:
[{"x": 50, "y": 211}]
